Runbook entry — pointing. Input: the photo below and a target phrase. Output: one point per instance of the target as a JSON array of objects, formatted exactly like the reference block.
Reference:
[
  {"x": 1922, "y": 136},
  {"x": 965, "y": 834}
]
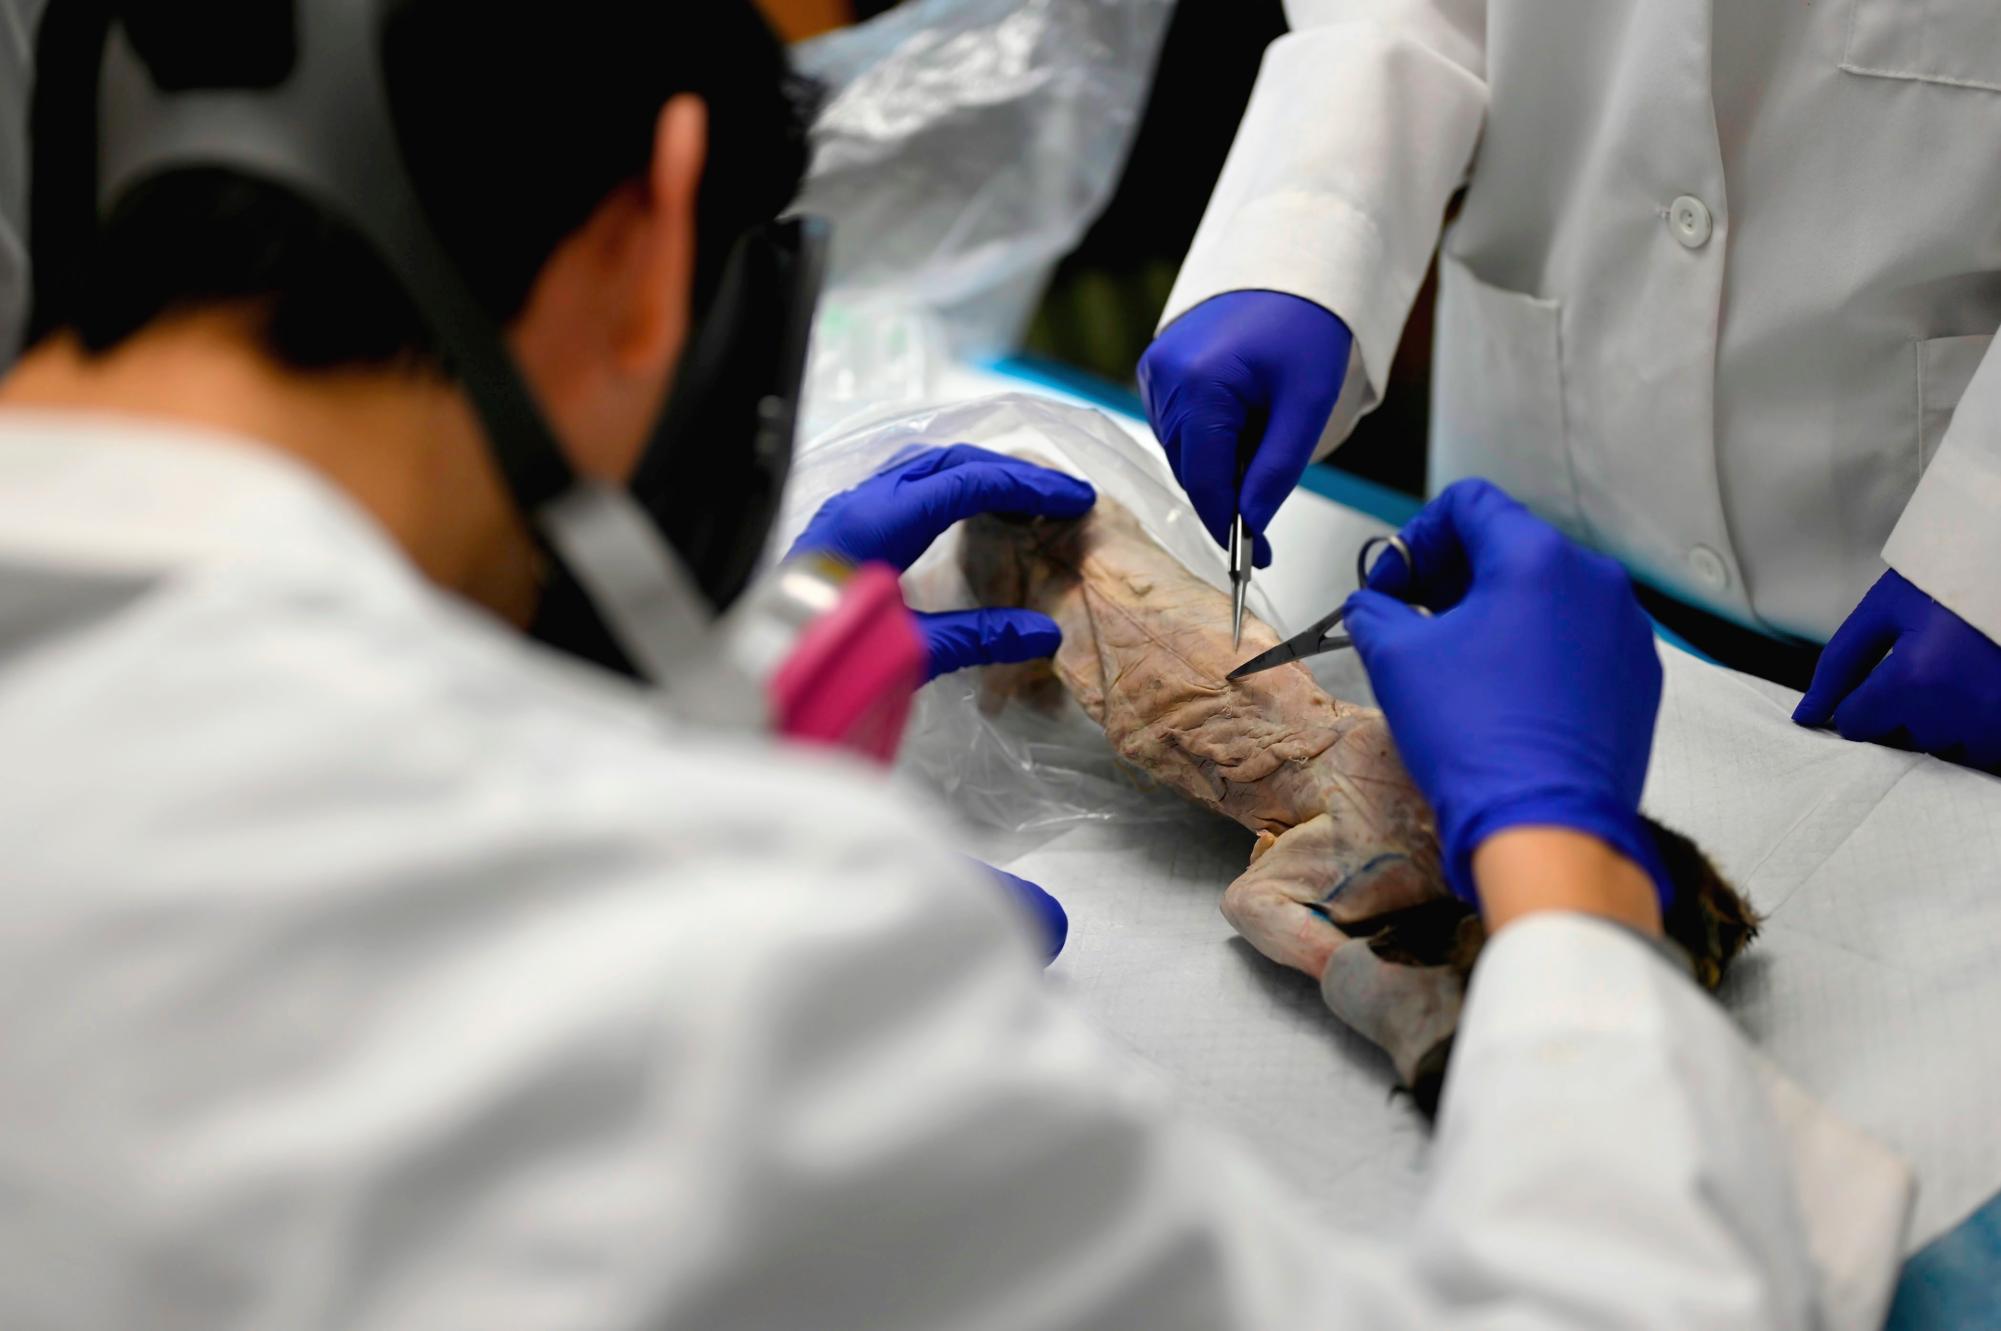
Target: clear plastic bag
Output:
[
  {"x": 966, "y": 147},
  {"x": 1015, "y": 769},
  {"x": 869, "y": 356}
]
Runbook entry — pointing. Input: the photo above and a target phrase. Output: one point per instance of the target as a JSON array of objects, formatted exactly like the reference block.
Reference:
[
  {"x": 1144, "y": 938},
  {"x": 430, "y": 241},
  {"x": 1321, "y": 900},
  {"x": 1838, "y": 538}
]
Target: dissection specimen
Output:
[{"x": 1345, "y": 881}]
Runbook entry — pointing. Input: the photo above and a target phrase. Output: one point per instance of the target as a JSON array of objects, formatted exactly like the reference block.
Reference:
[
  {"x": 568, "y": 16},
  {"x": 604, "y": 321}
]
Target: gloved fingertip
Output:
[
  {"x": 1048, "y": 919},
  {"x": 1390, "y": 574},
  {"x": 1261, "y": 553},
  {"x": 1876, "y": 711},
  {"x": 1054, "y": 486},
  {"x": 1028, "y": 634},
  {"x": 1369, "y": 601},
  {"x": 1051, "y": 922},
  {"x": 1075, "y": 496},
  {"x": 1259, "y": 511},
  {"x": 960, "y": 639},
  {"x": 1023, "y": 643},
  {"x": 1372, "y": 614}
]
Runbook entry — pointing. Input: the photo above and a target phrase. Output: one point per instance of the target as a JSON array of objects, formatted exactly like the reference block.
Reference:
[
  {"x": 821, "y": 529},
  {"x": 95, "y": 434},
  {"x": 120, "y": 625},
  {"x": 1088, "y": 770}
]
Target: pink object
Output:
[{"x": 851, "y": 675}]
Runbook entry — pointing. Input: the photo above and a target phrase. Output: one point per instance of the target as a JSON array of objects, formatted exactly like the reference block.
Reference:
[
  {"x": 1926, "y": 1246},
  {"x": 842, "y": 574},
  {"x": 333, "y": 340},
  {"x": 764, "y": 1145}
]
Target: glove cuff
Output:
[{"x": 1610, "y": 821}]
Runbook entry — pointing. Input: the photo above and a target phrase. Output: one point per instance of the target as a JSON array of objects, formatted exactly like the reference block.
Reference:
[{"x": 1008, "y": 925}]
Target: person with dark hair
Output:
[{"x": 369, "y": 964}]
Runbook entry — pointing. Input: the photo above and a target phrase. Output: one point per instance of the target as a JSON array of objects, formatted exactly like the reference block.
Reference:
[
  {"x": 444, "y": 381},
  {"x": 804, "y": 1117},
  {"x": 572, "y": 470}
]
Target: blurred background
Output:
[{"x": 1095, "y": 127}]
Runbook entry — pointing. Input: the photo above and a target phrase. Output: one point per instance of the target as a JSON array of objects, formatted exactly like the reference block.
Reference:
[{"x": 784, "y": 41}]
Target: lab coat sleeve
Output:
[
  {"x": 1607, "y": 1153},
  {"x": 1948, "y": 541},
  {"x": 976, "y": 1157},
  {"x": 791, "y": 1066},
  {"x": 1363, "y": 123}
]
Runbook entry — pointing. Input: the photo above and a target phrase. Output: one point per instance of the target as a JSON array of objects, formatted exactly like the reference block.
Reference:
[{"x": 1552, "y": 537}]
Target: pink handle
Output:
[{"x": 850, "y": 679}]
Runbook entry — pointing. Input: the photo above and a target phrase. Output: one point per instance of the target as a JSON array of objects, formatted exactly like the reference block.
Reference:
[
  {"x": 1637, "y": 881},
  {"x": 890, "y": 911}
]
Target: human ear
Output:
[
  {"x": 658, "y": 310},
  {"x": 606, "y": 320}
]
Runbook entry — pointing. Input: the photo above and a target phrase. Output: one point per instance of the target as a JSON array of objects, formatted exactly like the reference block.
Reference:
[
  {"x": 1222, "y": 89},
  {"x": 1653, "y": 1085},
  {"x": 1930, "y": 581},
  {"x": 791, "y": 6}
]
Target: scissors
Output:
[{"x": 1321, "y": 638}]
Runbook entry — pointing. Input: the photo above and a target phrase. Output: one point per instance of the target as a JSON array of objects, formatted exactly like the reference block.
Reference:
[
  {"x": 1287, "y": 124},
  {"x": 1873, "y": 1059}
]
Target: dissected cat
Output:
[{"x": 1345, "y": 882}]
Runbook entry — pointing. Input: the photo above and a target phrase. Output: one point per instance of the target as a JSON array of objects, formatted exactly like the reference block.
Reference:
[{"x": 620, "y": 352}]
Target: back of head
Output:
[{"x": 517, "y": 121}]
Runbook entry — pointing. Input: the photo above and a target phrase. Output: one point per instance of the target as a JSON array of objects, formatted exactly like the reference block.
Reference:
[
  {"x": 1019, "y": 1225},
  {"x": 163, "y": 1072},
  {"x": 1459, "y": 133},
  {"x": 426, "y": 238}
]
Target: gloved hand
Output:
[
  {"x": 1903, "y": 670},
  {"x": 1046, "y": 914},
  {"x": 1245, "y": 370},
  {"x": 894, "y": 516},
  {"x": 1530, "y": 699}
]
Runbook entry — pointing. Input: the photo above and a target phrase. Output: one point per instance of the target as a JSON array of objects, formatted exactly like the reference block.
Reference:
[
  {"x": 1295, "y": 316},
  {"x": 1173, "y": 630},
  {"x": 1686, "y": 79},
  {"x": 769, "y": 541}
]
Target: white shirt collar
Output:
[{"x": 133, "y": 494}]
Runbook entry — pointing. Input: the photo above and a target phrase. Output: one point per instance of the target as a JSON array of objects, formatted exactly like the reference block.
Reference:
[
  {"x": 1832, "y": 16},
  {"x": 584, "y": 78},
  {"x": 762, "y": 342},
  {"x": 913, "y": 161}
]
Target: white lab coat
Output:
[
  {"x": 1722, "y": 275},
  {"x": 364, "y": 966}
]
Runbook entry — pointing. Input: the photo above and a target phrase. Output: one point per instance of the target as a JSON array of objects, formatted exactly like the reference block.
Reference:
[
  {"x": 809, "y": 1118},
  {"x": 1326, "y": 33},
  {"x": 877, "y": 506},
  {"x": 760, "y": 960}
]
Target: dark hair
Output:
[{"x": 517, "y": 120}]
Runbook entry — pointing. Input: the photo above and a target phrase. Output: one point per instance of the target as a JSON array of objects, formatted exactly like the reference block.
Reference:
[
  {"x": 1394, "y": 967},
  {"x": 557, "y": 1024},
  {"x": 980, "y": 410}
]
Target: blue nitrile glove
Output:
[
  {"x": 1903, "y": 670},
  {"x": 1052, "y": 925},
  {"x": 893, "y": 516},
  {"x": 1244, "y": 370},
  {"x": 1529, "y": 700}
]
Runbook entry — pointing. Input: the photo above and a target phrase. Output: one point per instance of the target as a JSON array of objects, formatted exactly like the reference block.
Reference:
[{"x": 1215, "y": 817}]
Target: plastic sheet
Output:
[
  {"x": 870, "y": 355},
  {"x": 966, "y": 147},
  {"x": 1011, "y": 767}
]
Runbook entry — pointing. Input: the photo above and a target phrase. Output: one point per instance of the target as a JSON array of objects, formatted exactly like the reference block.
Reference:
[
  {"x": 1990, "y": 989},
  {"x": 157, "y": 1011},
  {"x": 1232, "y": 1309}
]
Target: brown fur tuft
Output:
[{"x": 1710, "y": 921}]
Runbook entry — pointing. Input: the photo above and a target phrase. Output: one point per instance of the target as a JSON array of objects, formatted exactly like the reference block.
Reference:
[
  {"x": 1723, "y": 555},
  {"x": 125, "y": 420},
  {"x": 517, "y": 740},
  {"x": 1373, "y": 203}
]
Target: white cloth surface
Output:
[
  {"x": 1875, "y": 983},
  {"x": 1721, "y": 275},
  {"x": 367, "y": 967}
]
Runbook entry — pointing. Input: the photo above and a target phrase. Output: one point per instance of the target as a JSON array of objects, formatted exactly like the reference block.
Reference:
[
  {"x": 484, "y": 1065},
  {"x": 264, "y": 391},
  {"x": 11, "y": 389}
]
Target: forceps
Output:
[
  {"x": 1240, "y": 577},
  {"x": 1321, "y": 637}
]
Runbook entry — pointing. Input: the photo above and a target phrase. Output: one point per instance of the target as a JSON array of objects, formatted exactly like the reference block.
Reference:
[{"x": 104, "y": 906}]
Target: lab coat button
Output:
[
  {"x": 1709, "y": 568},
  {"x": 1689, "y": 219}
]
